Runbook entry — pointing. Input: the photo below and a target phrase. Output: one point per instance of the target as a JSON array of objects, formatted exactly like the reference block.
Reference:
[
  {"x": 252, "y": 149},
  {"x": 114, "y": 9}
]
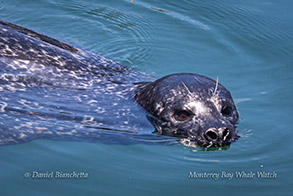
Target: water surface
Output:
[{"x": 246, "y": 44}]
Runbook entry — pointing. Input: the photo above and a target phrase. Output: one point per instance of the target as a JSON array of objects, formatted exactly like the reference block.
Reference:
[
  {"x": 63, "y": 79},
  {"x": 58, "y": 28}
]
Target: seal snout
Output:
[{"x": 217, "y": 136}]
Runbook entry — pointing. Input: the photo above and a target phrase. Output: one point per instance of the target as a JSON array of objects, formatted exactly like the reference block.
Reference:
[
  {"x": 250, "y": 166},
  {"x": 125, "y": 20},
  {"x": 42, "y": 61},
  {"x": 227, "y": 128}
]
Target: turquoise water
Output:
[{"x": 246, "y": 44}]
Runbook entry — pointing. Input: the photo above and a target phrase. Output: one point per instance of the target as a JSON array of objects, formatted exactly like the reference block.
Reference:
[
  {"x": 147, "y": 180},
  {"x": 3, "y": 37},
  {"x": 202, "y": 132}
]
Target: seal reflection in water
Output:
[{"x": 52, "y": 90}]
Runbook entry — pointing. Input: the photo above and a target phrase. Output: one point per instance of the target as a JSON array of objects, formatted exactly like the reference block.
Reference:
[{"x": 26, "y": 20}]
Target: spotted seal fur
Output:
[{"x": 53, "y": 90}]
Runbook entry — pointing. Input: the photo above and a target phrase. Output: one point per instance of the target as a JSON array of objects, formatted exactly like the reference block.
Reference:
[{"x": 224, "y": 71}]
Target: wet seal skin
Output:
[
  {"x": 190, "y": 106},
  {"x": 184, "y": 105}
]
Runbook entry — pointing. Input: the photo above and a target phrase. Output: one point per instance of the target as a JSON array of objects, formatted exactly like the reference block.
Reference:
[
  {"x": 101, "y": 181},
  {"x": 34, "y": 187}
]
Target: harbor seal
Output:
[
  {"x": 190, "y": 106},
  {"x": 53, "y": 90}
]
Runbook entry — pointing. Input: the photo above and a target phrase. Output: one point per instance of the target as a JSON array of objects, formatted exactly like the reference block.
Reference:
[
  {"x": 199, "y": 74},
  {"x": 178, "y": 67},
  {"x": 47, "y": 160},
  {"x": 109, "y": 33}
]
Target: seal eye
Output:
[
  {"x": 227, "y": 110},
  {"x": 182, "y": 115}
]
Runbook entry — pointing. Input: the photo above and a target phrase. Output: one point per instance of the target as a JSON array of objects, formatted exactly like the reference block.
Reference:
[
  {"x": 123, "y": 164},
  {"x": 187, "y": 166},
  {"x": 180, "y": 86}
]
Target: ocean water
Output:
[{"x": 247, "y": 45}]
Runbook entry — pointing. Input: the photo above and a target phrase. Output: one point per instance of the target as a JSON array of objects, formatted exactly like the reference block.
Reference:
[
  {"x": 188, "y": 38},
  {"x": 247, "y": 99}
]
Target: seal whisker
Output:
[
  {"x": 186, "y": 88},
  {"x": 210, "y": 144},
  {"x": 197, "y": 80},
  {"x": 217, "y": 82}
]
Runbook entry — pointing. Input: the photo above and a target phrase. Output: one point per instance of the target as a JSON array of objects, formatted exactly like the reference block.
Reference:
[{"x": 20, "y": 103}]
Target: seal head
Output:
[{"x": 190, "y": 106}]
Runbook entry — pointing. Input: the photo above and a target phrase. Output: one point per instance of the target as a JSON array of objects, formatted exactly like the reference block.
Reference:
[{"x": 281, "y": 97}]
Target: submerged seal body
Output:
[{"x": 52, "y": 90}]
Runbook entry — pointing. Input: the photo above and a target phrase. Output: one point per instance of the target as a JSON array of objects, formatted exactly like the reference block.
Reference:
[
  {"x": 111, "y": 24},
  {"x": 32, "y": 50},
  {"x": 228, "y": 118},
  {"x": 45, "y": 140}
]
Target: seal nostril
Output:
[{"x": 211, "y": 135}]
